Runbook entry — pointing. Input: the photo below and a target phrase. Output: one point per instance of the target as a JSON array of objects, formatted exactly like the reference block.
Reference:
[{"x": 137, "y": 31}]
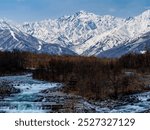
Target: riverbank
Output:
[
  {"x": 134, "y": 103},
  {"x": 7, "y": 88},
  {"x": 44, "y": 97},
  {"x": 28, "y": 100},
  {"x": 39, "y": 97}
]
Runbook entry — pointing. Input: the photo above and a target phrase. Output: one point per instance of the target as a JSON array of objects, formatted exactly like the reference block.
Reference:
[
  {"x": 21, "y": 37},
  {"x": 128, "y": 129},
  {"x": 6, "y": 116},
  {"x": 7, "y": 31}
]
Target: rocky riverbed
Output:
[
  {"x": 7, "y": 88},
  {"x": 38, "y": 97},
  {"x": 27, "y": 95}
]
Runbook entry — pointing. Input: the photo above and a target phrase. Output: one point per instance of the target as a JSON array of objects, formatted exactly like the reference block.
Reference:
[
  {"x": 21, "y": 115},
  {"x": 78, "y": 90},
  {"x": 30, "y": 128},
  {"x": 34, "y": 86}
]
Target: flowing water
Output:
[{"x": 30, "y": 99}]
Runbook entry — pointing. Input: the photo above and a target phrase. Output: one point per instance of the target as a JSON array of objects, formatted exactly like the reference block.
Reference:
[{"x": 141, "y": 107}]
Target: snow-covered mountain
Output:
[
  {"x": 12, "y": 38},
  {"x": 130, "y": 31},
  {"x": 90, "y": 34},
  {"x": 139, "y": 46},
  {"x": 73, "y": 31},
  {"x": 82, "y": 33}
]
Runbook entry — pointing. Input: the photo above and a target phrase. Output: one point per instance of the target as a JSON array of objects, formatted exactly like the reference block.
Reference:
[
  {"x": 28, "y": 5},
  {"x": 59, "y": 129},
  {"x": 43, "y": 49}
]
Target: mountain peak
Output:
[
  {"x": 145, "y": 14},
  {"x": 4, "y": 24},
  {"x": 83, "y": 13},
  {"x": 90, "y": 34},
  {"x": 146, "y": 11}
]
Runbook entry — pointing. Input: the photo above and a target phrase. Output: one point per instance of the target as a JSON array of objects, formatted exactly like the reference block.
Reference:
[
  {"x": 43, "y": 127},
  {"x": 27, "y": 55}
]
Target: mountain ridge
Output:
[
  {"x": 11, "y": 38},
  {"x": 87, "y": 34}
]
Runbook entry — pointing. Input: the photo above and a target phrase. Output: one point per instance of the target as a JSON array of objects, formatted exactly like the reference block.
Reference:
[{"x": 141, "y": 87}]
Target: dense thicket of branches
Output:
[
  {"x": 87, "y": 76},
  {"x": 90, "y": 76},
  {"x": 16, "y": 61},
  {"x": 139, "y": 62}
]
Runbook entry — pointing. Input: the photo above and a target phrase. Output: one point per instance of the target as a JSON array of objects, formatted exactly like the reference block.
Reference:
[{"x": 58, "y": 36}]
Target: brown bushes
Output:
[{"x": 90, "y": 77}]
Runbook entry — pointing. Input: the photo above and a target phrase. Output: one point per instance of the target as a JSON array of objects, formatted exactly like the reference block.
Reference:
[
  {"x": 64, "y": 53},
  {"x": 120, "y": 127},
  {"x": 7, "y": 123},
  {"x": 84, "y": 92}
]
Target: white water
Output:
[
  {"x": 27, "y": 100},
  {"x": 31, "y": 100}
]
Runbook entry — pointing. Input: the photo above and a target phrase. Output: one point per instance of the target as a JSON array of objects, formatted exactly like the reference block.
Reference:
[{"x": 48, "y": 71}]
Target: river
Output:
[
  {"x": 27, "y": 100},
  {"x": 32, "y": 99}
]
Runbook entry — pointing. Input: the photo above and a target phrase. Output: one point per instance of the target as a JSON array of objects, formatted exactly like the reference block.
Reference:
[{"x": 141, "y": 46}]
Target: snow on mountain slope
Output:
[
  {"x": 131, "y": 30},
  {"x": 89, "y": 34},
  {"x": 73, "y": 31},
  {"x": 82, "y": 33},
  {"x": 140, "y": 45},
  {"x": 55, "y": 49},
  {"x": 11, "y": 38}
]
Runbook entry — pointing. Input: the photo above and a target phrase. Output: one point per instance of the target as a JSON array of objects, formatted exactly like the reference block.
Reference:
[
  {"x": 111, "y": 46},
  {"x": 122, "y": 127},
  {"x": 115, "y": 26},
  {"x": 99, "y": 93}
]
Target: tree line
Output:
[{"x": 91, "y": 77}]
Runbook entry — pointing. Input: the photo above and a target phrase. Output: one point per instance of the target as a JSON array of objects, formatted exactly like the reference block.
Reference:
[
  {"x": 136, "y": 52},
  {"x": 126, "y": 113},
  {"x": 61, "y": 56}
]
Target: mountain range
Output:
[{"x": 82, "y": 33}]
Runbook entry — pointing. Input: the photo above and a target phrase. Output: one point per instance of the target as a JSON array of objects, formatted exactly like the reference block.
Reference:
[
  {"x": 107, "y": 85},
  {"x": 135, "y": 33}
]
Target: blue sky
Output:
[{"x": 34, "y": 10}]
